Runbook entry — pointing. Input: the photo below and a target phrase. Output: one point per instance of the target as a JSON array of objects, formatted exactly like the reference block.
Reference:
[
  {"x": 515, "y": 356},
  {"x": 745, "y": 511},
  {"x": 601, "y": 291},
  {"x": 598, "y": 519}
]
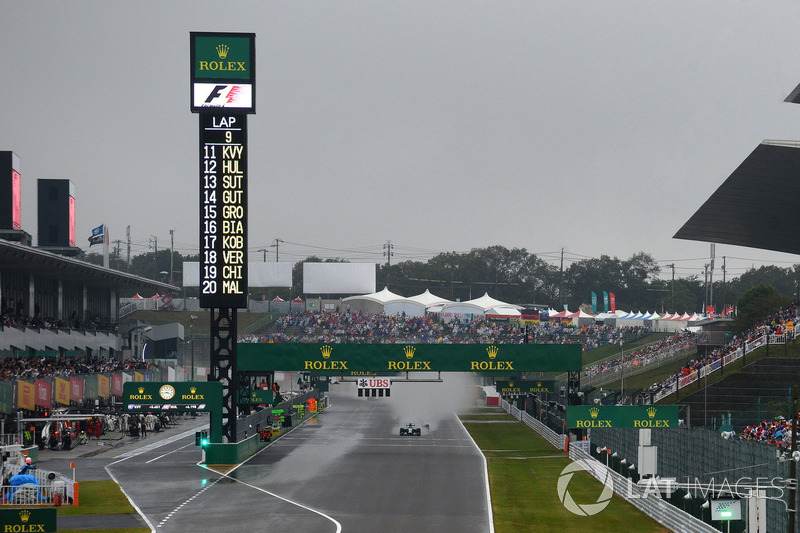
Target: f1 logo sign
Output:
[{"x": 236, "y": 96}]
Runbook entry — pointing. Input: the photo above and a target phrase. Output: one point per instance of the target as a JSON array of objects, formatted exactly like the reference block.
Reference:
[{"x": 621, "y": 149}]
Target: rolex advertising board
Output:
[
  {"x": 343, "y": 359},
  {"x": 171, "y": 396},
  {"x": 176, "y": 396},
  {"x": 622, "y": 416},
  {"x": 36, "y": 519},
  {"x": 534, "y": 386}
]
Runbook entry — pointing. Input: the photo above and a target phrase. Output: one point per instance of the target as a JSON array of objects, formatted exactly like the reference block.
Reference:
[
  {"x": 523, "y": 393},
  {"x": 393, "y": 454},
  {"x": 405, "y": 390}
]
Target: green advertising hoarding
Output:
[
  {"x": 622, "y": 416},
  {"x": 535, "y": 386},
  {"x": 336, "y": 359},
  {"x": 6, "y": 398},
  {"x": 257, "y": 396},
  {"x": 176, "y": 396},
  {"x": 221, "y": 56},
  {"x": 29, "y": 520}
]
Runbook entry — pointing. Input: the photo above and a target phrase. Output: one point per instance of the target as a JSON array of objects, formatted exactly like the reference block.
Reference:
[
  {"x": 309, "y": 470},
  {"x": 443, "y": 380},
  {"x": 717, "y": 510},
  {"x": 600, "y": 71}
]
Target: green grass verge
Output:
[
  {"x": 98, "y": 497},
  {"x": 523, "y": 478}
]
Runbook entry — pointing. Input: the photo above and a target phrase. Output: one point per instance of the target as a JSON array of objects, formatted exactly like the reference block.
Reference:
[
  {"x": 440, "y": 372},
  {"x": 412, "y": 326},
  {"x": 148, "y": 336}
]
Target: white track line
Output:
[{"x": 485, "y": 475}]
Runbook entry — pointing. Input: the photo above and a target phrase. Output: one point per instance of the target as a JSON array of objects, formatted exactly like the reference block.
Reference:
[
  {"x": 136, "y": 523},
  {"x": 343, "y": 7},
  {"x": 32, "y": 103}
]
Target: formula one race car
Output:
[{"x": 410, "y": 430}]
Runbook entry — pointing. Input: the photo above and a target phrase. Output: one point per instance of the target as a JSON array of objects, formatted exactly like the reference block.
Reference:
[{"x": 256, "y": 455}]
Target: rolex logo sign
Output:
[
  {"x": 222, "y": 50},
  {"x": 141, "y": 390},
  {"x": 409, "y": 351},
  {"x": 491, "y": 364},
  {"x": 326, "y": 350},
  {"x": 622, "y": 416},
  {"x": 34, "y": 520},
  {"x": 193, "y": 390}
]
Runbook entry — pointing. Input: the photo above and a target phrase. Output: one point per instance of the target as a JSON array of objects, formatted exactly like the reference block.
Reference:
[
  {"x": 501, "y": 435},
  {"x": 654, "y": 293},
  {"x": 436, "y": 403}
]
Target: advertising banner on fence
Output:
[
  {"x": 116, "y": 384},
  {"x": 75, "y": 389},
  {"x": 43, "y": 393},
  {"x": 103, "y": 386},
  {"x": 26, "y": 395},
  {"x": 622, "y": 416},
  {"x": 6, "y": 398},
  {"x": 62, "y": 391},
  {"x": 137, "y": 376}
]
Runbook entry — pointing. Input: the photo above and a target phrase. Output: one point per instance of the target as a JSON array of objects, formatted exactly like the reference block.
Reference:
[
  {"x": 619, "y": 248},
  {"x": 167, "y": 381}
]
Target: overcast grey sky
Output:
[{"x": 595, "y": 126}]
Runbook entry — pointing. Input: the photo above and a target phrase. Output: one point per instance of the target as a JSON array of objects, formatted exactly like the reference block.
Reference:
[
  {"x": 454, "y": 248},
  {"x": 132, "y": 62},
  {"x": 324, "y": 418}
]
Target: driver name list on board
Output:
[{"x": 223, "y": 208}]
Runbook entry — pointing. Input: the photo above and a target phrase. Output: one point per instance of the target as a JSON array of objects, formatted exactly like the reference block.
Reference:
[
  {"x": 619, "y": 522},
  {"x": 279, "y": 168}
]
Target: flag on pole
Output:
[
  {"x": 605, "y": 301},
  {"x": 98, "y": 235},
  {"x": 612, "y": 301},
  {"x": 594, "y": 302}
]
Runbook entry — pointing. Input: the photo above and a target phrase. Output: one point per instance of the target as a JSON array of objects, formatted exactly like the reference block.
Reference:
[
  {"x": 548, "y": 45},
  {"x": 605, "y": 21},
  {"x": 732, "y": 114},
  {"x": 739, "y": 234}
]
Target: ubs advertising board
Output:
[{"x": 223, "y": 76}]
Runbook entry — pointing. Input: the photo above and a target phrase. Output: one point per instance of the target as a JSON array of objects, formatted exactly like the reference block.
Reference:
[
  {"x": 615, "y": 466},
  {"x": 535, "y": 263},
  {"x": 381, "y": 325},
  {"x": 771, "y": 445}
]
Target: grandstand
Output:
[{"x": 56, "y": 303}]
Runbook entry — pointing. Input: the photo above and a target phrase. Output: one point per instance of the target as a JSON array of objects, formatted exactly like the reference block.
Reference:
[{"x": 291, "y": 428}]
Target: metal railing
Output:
[
  {"x": 735, "y": 355},
  {"x": 654, "y": 506},
  {"x": 50, "y": 488},
  {"x": 558, "y": 441}
]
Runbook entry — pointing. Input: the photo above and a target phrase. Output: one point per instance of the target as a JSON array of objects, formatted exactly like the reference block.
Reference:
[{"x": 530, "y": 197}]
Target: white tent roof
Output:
[
  {"x": 620, "y": 313},
  {"x": 503, "y": 311},
  {"x": 427, "y": 299},
  {"x": 382, "y": 297},
  {"x": 581, "y": 314},
  {"x": 484, "y": 303},
  {"x": 603, "y": 316}
]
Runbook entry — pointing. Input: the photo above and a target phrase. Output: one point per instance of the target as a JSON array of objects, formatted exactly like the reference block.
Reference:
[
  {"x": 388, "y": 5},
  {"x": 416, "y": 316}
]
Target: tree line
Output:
[{"x": 517, "y": 276}]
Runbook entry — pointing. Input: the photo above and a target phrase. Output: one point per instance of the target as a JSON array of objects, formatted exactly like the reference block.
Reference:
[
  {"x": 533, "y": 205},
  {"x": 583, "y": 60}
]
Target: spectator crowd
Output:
[
  {"x": 359, "y": 327},
  {"x": 14, "y": 368}
]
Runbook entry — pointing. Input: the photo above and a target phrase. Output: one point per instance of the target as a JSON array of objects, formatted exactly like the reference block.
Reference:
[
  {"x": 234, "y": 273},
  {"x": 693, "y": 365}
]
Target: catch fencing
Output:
[{"x": 660, "y": 510}]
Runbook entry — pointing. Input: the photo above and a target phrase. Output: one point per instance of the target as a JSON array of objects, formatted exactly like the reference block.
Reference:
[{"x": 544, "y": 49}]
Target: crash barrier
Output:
[
  {"x": 251, "y": 442},
  {"x": 53, "y": 488},
  {"x": 654, "y": 506},
  {"x": 247, "y": 426},
  {"x": 558, "y": 441}
]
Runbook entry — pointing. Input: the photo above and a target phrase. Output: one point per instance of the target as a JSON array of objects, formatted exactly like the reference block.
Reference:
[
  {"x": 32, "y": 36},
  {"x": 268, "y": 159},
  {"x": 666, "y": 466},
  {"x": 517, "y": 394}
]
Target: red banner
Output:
[
  {"x": 75, "y": 389},
  {"x": 102, "y": 386},
  {"x": 43, "y": 394},
  {"x": 612, "y": 301},
  {"x": 26, "y": 395},
  {"x": 116, "y": 384},
  {"x": 62, "y": 391}
]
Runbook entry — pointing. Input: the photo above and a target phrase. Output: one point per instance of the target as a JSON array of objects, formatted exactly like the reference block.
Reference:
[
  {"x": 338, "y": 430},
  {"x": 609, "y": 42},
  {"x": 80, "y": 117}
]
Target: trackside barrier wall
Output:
[
  {"x": 233, "y": 453},
  {"x": 548, "y": 434},
  {"x": 658, "y": 509}
]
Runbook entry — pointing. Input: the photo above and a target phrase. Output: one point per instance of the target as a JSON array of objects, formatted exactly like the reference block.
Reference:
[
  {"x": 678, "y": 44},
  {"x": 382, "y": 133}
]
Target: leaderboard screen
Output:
[{"x": 223, "y": 210}]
